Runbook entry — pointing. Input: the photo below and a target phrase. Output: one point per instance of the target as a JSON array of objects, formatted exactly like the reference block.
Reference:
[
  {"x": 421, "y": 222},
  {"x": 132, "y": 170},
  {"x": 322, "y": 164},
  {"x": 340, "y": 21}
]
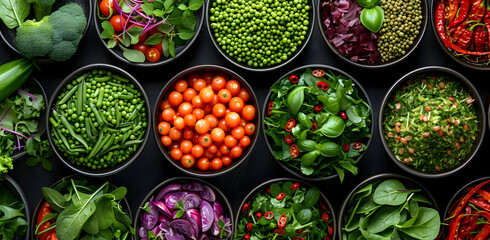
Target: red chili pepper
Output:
[
  {"x": 466, "y": 38},
  {"x": 288, "y": 139},
  {"x": 52, "y": 236},
  {"x": 269, "y": 108},
  {"x": 318, "y": 73},
  {"x": 322, "y": 85},
  {"x": 318, "y": 108},
  {"x": 480, "y": 203},
  {"x": 300, "y": 230},
  {"x": 343, "y": 116},
  {"x": 453, "y": 9},
  {"x": 325, "y": 217},
  {"x": 346, "y": 147},
  {"x": 454, "y": 226},
  {"x": 295, "y": 186},
  {"x": 290, "y": 125},
  {"x": 283, "y": 220},
  {"x": 483, "y": 233},
  {"x": 258, "y": 215},
  {"x": 249, "y": 227},
  {"x": 462, "y": 13},
  {"x": 268, "y": 190},
  {"x": 357, "y": 146},
  {"x": 467, "y": 226},
  {"x": 481, "y": 37},
  {"x": 326, "y": 238},
  {"x": 330, "y": 230},
  {"x": 314, "y": 126},
  {"x": 293, "y": 79},
  {"x": 323, "y": 207},
  {"x": 246, "y": 237},
  {"x": 466, "y": 198},
  {"x": 279, "y": 232},
  {"x": 294, "y": 150},
  {"x": 269, "y": 215},
  {"x": 486, "y": 20},
  {"x": 280, "y": 196},
  {"x": 245, "y": 207}
]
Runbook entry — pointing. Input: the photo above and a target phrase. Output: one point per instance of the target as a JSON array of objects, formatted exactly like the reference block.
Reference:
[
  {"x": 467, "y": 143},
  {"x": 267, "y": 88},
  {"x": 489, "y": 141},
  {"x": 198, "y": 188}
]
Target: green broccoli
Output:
[
  {"x": 35, "y": 38},
  {"x": 68, "y": 22},
  {"x": 42, "y": 8},
  {"x": 5, "y": 164}
]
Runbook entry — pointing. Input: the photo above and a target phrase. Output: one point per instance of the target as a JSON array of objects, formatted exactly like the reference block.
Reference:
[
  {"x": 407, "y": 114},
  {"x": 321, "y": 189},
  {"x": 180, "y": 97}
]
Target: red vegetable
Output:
[
  {"x": 258, "y": 215},
  {"x": 323, "y": 207},
  {"x": 279, "y": 232},
  {"x": 290, "y": 125},
  {"x": 293, "y": 79},
  {"x": 246, "y": 237},
  {"x": 283, "y": 220},
  {"x": 463, "y": 11},
  {"x": 294, "y": 151},
  {"x": 288, "y": 139},
  {"x": 314, "y": 126},
  {"x": 245, "y": 207},
  {"x": 295, "y": 186},
  {"x": 318, "y": 73},
  {"x": 346, "y": 147},
  {"x": 249, "y": 227},
  {"x": 343, "y": 116},
  {"x": 269, "y": 108},
  {"x": 280, "y": 196},
  {"x": 357, "y": 146},
  {"x": 269, "y": 215},
  {"x": 318, "y": 108},
  {"x": 322, "y": 85}
]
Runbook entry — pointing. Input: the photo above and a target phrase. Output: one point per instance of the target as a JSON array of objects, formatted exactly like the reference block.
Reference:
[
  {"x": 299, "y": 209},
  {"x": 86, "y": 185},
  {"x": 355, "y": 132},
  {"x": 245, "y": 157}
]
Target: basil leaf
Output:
[
  {"x": 171, "y": 47},
  {"x": 306, "y": 145},
  {"x": 133, "y": 55},
  {"x": 307, "y": 170},
  {"x": 186, "y": 33},
  {"x": 304, "y": 120},
  {"x": 329, "y": 149},
  {"x": 311, "y": 197},
  {"x": 195, "y": 4},
  {"x": 188, "y": 20},
  {"x": 333, "y": 127},
  {"x": 295, "y": 99},
  {"x": 303, "y": 216},
  {"x": 309, "y": 158}
]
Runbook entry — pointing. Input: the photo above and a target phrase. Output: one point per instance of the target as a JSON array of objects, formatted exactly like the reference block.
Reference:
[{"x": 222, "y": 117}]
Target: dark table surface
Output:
[{"x": 151, "y": 167}]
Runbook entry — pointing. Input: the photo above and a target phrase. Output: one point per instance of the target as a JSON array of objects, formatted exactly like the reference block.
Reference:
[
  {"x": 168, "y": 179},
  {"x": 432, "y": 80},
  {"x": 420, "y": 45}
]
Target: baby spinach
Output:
[{"x": 12, "y": 218}]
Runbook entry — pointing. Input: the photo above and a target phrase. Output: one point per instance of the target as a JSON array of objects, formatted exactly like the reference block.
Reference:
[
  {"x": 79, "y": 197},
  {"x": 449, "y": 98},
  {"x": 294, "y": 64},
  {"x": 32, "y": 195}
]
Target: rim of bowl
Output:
[
  {"x": 404, "y": 179},
  {"x": 164, "y": 92},
  {"x": 120, "y": 166},
  {"x": 32, "y": 82},
  {"x": 264, "y": 69},
  {"x": 425, "y": 13},
  {"x": 17, "y": 190},
  {"x": 480, "y": 111},
  {"x": 364, "y": 97},
  {"x": 160, "y": 186},
  {"x": 91, "y": 180},
  {"x": 163, "y": 60},
  {"x": 263, "y": 185},
  {"x": 45, "y": 59},
  {"x": 445, "y": 49}
]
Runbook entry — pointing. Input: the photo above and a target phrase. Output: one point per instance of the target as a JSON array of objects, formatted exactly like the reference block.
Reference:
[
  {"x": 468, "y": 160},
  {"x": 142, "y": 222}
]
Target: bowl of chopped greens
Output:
[
  {"x": 14, "y": 210},
  {"x": 283, "y": 209},
  {"x": 317, "y": 122},
  {"x": 389, "y": 206},
  {"x": 148, "y": 34},
  {"x": 432, "y": 122},
  {"x": 49, "y": 31},
  {"x": 98, "y": 120},
  {"x": 76, "y": 207}
]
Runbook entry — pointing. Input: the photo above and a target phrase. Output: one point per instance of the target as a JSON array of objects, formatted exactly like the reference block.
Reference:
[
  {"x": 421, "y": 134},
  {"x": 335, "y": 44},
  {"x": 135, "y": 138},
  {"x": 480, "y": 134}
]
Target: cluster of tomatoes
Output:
[
  {"x": 45, "y": 230},
  {"x": 152, "y": 53},
  {"x": 206, "y": 121}
]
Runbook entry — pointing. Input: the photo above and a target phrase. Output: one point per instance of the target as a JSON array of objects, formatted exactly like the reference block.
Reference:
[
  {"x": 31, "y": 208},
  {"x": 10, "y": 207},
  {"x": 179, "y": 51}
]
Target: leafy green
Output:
[
  {"x": 14, "y": 12},
  {"x": 12, "y": 218}
]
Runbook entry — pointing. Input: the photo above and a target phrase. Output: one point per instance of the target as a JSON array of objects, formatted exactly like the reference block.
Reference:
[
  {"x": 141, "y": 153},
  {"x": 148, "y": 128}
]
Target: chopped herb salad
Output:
[{"x": 430, "y": 123}]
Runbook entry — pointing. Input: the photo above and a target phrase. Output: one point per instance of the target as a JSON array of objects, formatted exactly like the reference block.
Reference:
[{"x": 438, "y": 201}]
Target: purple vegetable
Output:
[
  {"x": 167, "y": 189},
  {"x": 218, "y": 209},
  {"x": 156, "y": 230},
  {"x": 207, "y": 216},
  {"x": 203, "y": 237},
  {"x": 194, "y": 217},
  {"x": 162, "y": 208},
  {"x": 208, "y": 194},
  {"x": 217, "y": 230},
  {"x": 174, "y": 214},
  {"x": 164, "y": 227},
  {"x": 191, "y": 200},
  {"x": 183, "y": 226},
  {"x": 143, "y": 232},
  {"x": 172, "y": 198},
  {"x": 164, "y": 219},
  {"x": 192, "y": 186},
  {"x": 149, "y": 221},
  {"x": 172, "y": 235}
]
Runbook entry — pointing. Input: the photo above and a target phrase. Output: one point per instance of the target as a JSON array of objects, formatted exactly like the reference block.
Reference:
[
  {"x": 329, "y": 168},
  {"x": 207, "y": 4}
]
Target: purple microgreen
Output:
[
  {"x": 16, "y": 133},
  {"x": 32, "y": 96}
]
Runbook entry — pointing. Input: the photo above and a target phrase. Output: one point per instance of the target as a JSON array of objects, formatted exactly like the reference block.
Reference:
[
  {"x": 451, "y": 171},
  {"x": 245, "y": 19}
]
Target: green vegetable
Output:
[
  {"x": 368, "y": 3},
  {"x": 35, "y": 39},
  {"x": 13, "y": 74},
  {"x": 5, "y": 164},
  {"x": 295, "y": 99},
  {"x": 372, "y": 18},
  {"x": 41, "y": 8},
  {"x": 14, "y": 12},
  {"x": 387, "y": 210},
  {"x": 13, "y": 220}
]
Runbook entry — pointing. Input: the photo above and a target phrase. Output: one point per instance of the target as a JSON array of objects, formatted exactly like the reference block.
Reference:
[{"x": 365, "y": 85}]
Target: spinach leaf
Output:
[
  {"x": 303, "y": 216},
  {"x": 385, "y": 217},
  {"x": 391, "y": 192},
  {"x": 426, "y": 226},
  {"x": 275, "y": 189},
  {"x": 311, "y": 198},
  {"x": 57, "y": 201},
  {"x": 333, "y": 127},
  {"x": 14, "y": 12},
  {"x": 104, "y": 212},
  {"x": 119, "y": 193},
  {"x": 71, "y": 220},
  {"x": 295, "y": 99},
  {"x": 353, "y": 115}
]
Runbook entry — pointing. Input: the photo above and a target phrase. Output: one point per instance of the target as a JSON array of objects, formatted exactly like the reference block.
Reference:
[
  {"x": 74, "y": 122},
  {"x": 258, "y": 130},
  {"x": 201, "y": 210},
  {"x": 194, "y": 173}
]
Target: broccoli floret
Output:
[
  {"x": 42, "y": 8},
  {"x": 68, "y": 22},
  {"x": 5, "y": 164},
  {"x": 35, "y": 39}
]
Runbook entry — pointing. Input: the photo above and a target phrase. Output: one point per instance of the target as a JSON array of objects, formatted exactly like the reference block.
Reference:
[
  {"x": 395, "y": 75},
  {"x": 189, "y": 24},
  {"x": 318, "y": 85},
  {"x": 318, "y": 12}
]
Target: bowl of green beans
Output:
[{"x": 99, "y": 120}]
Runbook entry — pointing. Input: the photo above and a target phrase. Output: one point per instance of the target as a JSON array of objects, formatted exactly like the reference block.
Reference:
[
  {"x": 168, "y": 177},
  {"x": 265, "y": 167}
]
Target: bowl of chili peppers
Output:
[
  {"x": 432, "y": 122},
  {"x": 317, "y": 122},
  {"x": 98, "y": 120},
  {"x": 461, "y": 28},
  {"x": 283, "y": 209},
  {"x": 467, "y": 215}
]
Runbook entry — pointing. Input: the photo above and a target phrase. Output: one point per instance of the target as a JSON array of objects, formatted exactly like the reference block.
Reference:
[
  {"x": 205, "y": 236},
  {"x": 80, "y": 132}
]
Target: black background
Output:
[{"x": 151, "y": 167}]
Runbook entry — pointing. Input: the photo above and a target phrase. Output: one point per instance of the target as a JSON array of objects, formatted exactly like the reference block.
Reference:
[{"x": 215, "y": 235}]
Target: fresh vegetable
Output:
[
  {"x": 13, "y": 221},
  {"x": 297, "y": 215},
  {"x": 14, "y": 12},
  {"x": 386, "y": 209},
  {"x": 260, "y": 33},
  {"x": 430, "y": 123},
  {"x": 77, "y": 209},
  {"x": 98, "y": 120},
  {"x": 35, "y": 39},
  {"x": 317, "y": 135},
  {"x": 184, "y": 210},
  {"x": 41, "y": 8},
  {"x": 13, "y": 75},
  {"x": 158, "y": 27}
]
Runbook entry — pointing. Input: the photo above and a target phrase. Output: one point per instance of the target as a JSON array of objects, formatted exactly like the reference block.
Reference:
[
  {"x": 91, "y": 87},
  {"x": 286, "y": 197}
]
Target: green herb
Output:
[
  {"x": 388, "y": 210},
  {"x": 320, "y": 150},
  {"x": 12, "y": 218},
  {"x": 14, "y": 12},
  {"x": 430, "y": 124}
]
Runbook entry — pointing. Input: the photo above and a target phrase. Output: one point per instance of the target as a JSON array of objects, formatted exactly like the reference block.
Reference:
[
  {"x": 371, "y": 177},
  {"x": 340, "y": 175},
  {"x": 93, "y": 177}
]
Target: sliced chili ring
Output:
[
  {"x": 258, "y": 215},
  {"x": 293, "y": 79},
  {"x": 318, "y": 108},
  {"x": 280, "y": 232},
  {"x": 322, "y": 85},
  {"x": 249, "y": 227},
  {"x": 294, "y": 150},
  {"x": 343, "y": 116},
  {"x": 330, "y": 230},
  {"x": 290, "y": 125},
  {"x": 357, "y": 146},
  {"x": 346, "y": 147},
  {"x": 246, "y": 237},
  {"x": 245, "y": 207},
  {"x": 318, "y": 73},
  {"x": 280, "y": 196},
  {"x": 268, "y": 190},
  {"x": 283, "y": 220},
  {"x": 269, "y": 215},
  {"x": 289, "y": 139},
  {"x": 325, "y": 217},
  {"x": 295, "y": 186},
  {"x": 300, "y": 230},
  {"x": 314, "y": 126},
  {"x": 269, "y": 108},
  {"x": 323, "y": 206}
]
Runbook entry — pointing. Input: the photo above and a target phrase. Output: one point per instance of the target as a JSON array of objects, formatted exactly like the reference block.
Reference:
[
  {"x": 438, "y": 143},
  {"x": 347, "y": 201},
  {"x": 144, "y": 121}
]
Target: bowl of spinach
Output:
[
  {"x": 283, "y": 209},
  {"x": 14, "y": 212},
  {"x": 389, "y": 206},
  {"x": 317, "y": 122}
]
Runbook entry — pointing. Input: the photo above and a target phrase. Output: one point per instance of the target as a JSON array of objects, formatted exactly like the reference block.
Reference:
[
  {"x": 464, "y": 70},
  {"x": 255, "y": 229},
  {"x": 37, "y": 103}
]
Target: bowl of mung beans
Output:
[
  {"x": 400, "y": 30},
  {"x": 260, "y": 35},
  {"x": 98, "y": 120}
]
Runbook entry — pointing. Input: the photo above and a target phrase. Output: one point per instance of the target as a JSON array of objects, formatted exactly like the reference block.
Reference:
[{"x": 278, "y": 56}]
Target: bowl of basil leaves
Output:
[
  {"x": 317, "y": 122},
  {"x": 389, "y": 206},
  {"x": 14, "y": 210}
]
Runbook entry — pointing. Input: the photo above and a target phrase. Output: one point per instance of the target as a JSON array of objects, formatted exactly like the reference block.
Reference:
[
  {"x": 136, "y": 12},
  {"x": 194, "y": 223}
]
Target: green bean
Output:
[
  {"x": 117, "y": 77},
  {"x": 102, "y": 116},
  {"x": 80, "y": 97},
  {"x": 125, "y": 124},
  {"x": 88, "y": 129},
  {"x": 125, "y": 137},
  {"x": 109, "y": 142},
  {"x": 112, "y": 148},
  {"x": 132, "y": 90},
  {"x": 109, "y": 156},
  {"x": 97, "y": 146},
  {"x": 118, "y": 114},
  {"x": 132, "y": 142},
  {"x": 135, "y": 129},
  {"x": 96, "y": 113},
  {"x": 115, "y": 84},
  {"x": 125, "y": 96},
  {"x": 102, "y": 79},
  {"x": 69, "y": 151},
  {"x": 127, "y": 128},
  {"x": 63, "y": 138},
  {"x": 96, "y": 92},
  {"x": 92, "y": 127},
  {"x": 112, "y": 130},
  {"x": 68, "y": 95},
  {"x": 100, "y": 97},
  {"x": 53, "y": 122},
  {"x": 72, "y": 133},
  {"x": 136, "y": 110}
]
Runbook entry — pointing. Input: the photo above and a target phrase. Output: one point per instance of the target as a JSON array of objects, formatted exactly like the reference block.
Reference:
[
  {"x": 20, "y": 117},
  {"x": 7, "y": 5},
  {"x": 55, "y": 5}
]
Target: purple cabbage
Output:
[
  {"x": 164, "y": 227},
  {"x": 191, "y": 200},
  {"x": 217, "y": 230},
  {"x": 149, "y": 221},
  {"x": 143, "y": 232},
  {"x": 194, "y": 217},
  {"x": 208, "y": 194},
  {"x": 164, "y": 219},
  {"x": 172, "y": 198},
  {"x": 204, "y": 236},
  {"x": 218, "y": 209},
  {"x": 192, "y": 186},
  {"x": 156, "y": 230},
  {"x": 167, "y": 189},
  {"x": 207, "y": 216},
  {"x": 183, "y": 226},
  {"x": 172, "y": 235},
  {"x": 162, "y": 208}
]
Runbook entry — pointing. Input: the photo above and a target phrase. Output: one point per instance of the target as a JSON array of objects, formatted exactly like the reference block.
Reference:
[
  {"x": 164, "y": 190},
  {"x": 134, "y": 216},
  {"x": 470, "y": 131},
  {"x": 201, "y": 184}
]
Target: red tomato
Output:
[
  {"x": 226, "y": 160},
  {"x": 248, "y": 113},
  {"x": 153, "y": 55},
  {"x": 106, "y": 6},
  {"x": 117, "y": 22},
  {"x": 188, "y": 161},
  {"x": 216, "y": 164},
  {"x": 141, "y": 47},
  {"x": 203, "y": 164}
]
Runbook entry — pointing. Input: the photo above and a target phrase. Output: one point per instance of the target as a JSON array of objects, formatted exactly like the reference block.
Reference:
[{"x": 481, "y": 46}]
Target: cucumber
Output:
[{"x": 13, "y": 75}]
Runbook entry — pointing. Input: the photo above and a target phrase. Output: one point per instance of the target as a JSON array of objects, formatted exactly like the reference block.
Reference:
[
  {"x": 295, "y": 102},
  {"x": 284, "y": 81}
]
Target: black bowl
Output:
[
  {"x": 480, "y": 112},
  {"x": 124, "y": 203},
  {"x": 120, "y": 166},
  {"x": 16, "y": 190},
  {"x": 169, "y": 88},
  {"x": 118, "y": 53},
  {"x": 268, "y": 140},
  {"x": 263, "y": 69},
  {"x": 408, "y": 182},
  {"x": 266, "y": 184},
  {"x": 8, "y": 35},
  {"x": 219, "y": 196},
  {"x": 390, "y": 63}
]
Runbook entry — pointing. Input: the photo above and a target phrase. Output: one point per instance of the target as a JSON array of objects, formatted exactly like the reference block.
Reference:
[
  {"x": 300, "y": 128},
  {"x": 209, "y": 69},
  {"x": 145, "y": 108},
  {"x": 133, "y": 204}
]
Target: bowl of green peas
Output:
[
  {"x": 98, "y": 120},
  {"x": 260, "y": 35}
]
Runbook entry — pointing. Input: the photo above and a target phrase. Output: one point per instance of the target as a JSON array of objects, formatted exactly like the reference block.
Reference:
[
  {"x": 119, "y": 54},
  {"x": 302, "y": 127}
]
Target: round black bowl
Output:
[
  {"x": 264, "y": 185},
  {"x": 16, "y": 190},
  {"x": 425, "y": 9},
  {"x": 263, "y": 69},
  {"x": 408, "y": 182},
  {"x": 363, "y": 94},
  {"x": 8, "y": 35},
  {"x": 118, "y": 53},
  {"x": 120, "y": 166},
  {"x": 219, "y": 196},
  {"x": 480, "y": 112},
  {"x": 168, "y": 88},
  {"x": 124, "y": 203}
]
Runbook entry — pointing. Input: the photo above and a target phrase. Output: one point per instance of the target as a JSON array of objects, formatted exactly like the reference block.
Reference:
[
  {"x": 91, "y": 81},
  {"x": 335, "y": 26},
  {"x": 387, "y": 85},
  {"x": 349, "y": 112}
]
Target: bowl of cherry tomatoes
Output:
[{"x": 206, "y": 120}]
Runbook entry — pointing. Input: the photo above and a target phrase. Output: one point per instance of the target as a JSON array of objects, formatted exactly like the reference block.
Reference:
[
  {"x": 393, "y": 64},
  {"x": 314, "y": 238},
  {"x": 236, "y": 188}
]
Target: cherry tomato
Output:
[
  {"x": 269, "y": 108},
  {"x": 213, "y": 149},
  {"x": 188, "y": 133},
  {"x": 330, "y": 230},
  {"x": 218, "y": 135},
  {"x": 164, "y": 105},
  {"x": 246, "y": 237},
  {"x": 206, "y": 95},
  {"x": 188, "y": 161},
  {"x": 185, "y": 108},
  {"x": 213, "y": 121},
  {"x": 199, "y": 84},
  {"x": 238, "y": 132},
  {"x": 189, "y": 94},
  {"x": 290, "y": 125},
  {"x": 318, "y": 73},
  {"x": 193, "y": 78},
  {"x": 293, "y": 79},
  {"x": 230, "y": 141},
  {"x": 314, "y": 126},
  {"x": 175, "y": 98},
  {"x": 166, "y": 141},
  {"x": 325, "y": 217},
  {"x": 153, "y": 55},
  {"x": 233, "y": 86},
  {"x": 202, "y": 126},
  {"x": 163, "y": 128},
  {"x": 218, "y": 83},
  {"x": 222, "y": 125},
  {"x": 186, "y": 146},
  {"x": 232, "y": 119},
  {"x": 244, "y": 95},
  {"x": 198, "y": 113},
  {"x": 190, "y": 120},
  {"x": 226, "y": 160},
  {"x": 205, "y": 140},
  {"x": 243, "y": 123},
  {"x": 216, "y": 164},
  {"x": 180, "y": 86},
  {"x": 197, "y": 151},
  {"x": 249, "y": 129},
  {"x": 343, "y": 116},
  {"x": 249, "y": 227},
  {"x": 168, "y": 115},
  {"x": 203, "y": 164},
  {"x": 236, "y": 152},
  {"x": 280, "y": 196},
  {"x": 106, "y": 6},
  {"x": 322, "y": 85},
  {"x": 236, "y": 104},
  {"x": 219, "y": 110},
  {"x": 269, "y": 215},
  {"x": 295, "y": 186},
  {"x": 294, "y": 151},
  {"x": 208, "y": 77},
  {"x": 289, "y": 139},
  {"x": 280, "y": 231},
  {"x": 357, "y": 146},
  {"x": 283, "y": 220},
  {"x": 117, "y": 22},
  {"x": 346, "y": 147},
  {"x": 245, "y": 141},
  {"x": 179, "y": 123},
  {"x": 158, "y": 47},
  {"x": 208, "y": 108},
  {"x": 196, "y": 102},
  {"x": 248, "y": 113},
  {"x": 223, "y": 149},
  {"x": 176, "y": 154},
  {"x": 224, "y": 95},
  {"x": 318, "y": 108},
  {"x": 175, "y": 134},
  {"x": 258, "y": 215}
]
